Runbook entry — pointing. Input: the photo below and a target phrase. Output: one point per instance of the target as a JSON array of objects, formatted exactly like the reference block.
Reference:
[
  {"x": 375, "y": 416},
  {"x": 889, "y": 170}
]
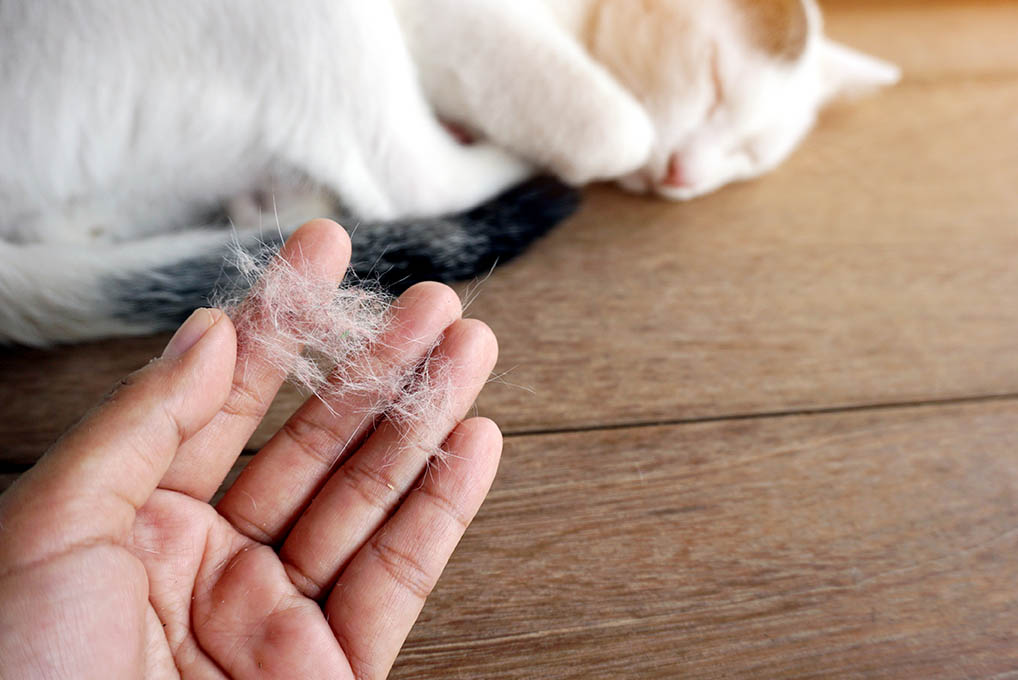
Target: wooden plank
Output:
[
  {"x": 870, "y": 544},
  {"x": 45, "y": 392},
  {"x": 873, "y": 267},
  {"x": 930, "y": 39}
]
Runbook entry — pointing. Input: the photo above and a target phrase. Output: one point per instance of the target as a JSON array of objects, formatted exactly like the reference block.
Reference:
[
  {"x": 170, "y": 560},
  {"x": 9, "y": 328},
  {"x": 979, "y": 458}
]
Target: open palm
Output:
[{"x": 316, "y": 561}]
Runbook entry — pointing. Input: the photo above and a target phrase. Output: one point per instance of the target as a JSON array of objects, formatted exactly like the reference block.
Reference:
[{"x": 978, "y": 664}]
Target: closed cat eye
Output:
[
  {"x": 752, "y": 152},
  {"x": 718, "y": 85}
]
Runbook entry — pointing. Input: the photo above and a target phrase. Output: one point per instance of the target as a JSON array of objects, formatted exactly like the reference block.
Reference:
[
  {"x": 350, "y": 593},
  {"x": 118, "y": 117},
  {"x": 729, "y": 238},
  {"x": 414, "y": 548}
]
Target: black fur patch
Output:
[
  {"x": 394, "y": 254},
  {"x": 460, "y": 247},
  {"x": 164, "y": 297}
]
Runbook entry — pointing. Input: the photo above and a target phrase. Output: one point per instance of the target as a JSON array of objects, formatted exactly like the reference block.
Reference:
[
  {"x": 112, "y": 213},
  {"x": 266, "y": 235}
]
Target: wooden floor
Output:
[{"x": 770, "y": 433}]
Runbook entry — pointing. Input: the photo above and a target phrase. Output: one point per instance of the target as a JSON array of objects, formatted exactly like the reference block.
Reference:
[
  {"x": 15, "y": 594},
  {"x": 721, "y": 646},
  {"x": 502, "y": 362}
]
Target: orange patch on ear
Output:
[{"x": 779, "y": 28}]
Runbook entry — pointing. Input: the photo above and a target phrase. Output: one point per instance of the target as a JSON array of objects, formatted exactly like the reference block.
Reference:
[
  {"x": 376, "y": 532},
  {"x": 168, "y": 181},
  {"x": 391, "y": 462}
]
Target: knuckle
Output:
[
  {"x": 318, "y": 442},
  {"x": 378, "y": 490},
  {"x": 244, "y": 402},
  {"x": 405, "y": 571},
  {"x": 446, "y": 506}
]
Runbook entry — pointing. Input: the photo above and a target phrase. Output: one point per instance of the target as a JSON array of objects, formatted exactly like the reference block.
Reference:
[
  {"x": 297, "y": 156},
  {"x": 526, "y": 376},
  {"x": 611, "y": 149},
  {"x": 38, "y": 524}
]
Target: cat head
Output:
[{"x": 731, "y": 87}]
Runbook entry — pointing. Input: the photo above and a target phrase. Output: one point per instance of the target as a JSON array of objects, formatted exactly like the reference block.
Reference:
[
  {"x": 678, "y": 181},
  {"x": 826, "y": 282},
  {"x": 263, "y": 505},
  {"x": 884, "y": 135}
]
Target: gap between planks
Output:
[{"x": 19, "y": 468}]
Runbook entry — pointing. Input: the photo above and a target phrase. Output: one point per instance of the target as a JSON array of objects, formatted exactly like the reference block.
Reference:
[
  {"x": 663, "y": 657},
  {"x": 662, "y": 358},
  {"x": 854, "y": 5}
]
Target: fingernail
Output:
[{"x": 191, "y": 332}]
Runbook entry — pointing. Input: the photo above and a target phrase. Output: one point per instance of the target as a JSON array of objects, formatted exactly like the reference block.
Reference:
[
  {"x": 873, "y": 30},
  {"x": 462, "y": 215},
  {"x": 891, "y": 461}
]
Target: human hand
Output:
[{"x": 113, "y": 564}]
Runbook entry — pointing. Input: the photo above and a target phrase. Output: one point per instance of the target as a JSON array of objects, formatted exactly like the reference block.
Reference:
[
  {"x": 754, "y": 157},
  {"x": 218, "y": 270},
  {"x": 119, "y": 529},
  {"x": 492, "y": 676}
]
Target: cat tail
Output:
[
  {"x": 71, "y": 293},
  {"x": 458, "y": 247}
]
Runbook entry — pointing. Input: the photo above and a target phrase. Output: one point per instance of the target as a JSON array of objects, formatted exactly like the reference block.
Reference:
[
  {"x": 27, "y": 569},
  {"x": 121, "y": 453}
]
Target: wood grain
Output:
[
  {"x": 873, "y": 267},
  {"x": 45, "y": 392},
  {"x": 872, "y": 544},
  {"x": 876, "y": 266},
  {"x": 878, "y": 543},
  {"x": 931, "y": 40}
]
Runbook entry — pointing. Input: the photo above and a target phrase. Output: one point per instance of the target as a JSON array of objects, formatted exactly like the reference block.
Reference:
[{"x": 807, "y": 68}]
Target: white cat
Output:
[{"x": 126, "y": 125}]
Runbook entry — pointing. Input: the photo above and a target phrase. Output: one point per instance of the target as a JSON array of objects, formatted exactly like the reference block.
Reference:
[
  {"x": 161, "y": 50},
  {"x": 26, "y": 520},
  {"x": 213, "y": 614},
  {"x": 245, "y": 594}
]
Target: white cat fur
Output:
[
  {"x": 127, "y": 120},
  {"x": 130, "y": 119}
]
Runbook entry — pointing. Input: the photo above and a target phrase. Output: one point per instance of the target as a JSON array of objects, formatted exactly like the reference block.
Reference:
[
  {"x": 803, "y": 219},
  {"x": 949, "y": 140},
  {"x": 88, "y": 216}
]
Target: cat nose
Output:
[{"x": 675, "y": 176}]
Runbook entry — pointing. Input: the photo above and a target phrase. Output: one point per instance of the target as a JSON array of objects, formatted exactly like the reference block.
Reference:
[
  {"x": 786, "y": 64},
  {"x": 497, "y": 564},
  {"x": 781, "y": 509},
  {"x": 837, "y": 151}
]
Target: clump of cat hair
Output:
[{"x": 325, "y": 338}]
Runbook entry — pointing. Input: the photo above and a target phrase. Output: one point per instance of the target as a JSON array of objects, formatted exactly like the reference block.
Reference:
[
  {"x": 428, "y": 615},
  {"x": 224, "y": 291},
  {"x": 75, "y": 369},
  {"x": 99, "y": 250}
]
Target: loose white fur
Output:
[
  {"x": 326, "y": 339},
  {"x": 125, "y": 123}
]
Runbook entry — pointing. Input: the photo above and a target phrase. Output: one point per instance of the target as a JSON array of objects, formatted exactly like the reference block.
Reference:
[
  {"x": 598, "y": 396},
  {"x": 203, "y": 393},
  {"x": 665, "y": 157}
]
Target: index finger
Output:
[{"x": 320, "y": 248}]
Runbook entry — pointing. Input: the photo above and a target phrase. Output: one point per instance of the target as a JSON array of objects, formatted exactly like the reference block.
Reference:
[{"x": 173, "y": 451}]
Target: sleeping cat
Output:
[
  {"x": 672, "y": 97},
  {"x": 128, "y": 126}
]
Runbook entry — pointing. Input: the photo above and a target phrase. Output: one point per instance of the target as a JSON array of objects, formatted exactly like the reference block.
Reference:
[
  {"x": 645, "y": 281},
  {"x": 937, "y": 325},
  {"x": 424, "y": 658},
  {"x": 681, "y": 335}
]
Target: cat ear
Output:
[{"x": 845, "y": 72}]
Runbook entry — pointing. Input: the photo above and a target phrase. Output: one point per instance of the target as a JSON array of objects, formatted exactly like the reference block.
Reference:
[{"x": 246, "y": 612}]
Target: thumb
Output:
[{"x": 90, "y": 484}]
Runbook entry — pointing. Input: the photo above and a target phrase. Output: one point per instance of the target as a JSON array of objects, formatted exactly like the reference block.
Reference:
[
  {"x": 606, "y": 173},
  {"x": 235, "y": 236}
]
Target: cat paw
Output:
[
  {"x": 473, "y": 175},
  {"x": 617, "y": 143}
]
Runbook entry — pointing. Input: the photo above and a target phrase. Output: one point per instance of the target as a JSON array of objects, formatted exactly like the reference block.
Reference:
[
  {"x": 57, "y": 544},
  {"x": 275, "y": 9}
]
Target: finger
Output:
[
  {"x": 381, "y": 593},
  {"x": 90, "y": 484},
  {"x": 359, "y": 497},
  {"x": 320, "y": 249},
  {"x": 284, "y": 476}
]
